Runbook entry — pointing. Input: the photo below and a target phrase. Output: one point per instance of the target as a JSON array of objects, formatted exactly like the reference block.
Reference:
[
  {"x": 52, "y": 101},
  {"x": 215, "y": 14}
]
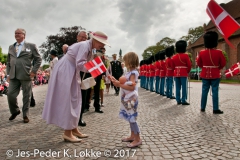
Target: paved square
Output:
[{"x": 168, "y": 130}]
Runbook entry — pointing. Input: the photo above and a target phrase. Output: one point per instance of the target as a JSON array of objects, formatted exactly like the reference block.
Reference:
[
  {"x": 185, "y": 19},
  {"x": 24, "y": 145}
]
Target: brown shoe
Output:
[
  {"x": 25, "y": 119},
  {"x": 14, "y": 115}
]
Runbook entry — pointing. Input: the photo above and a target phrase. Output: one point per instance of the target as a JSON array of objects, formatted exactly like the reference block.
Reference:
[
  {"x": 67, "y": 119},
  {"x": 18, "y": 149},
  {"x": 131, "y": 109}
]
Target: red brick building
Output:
[{"x": 233, "y": 8}]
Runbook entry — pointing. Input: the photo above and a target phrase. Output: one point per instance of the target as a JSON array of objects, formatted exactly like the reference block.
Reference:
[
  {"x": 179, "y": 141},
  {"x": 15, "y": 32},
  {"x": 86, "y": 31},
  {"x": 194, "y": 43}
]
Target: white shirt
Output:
[
  {"x": 52, "y": 64},
  {"x": 124, "y": 70}
]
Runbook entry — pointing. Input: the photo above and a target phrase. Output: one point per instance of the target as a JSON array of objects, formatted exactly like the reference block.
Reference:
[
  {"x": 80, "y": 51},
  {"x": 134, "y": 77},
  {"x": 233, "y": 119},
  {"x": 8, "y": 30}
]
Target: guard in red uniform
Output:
[
  {"x": 157, "y": 73},
  {"x": 148, "y": 73},
  {"x": 162, "y": 72},
  {"x": 152, "y": 73},
  {"x": 141, "y": 73},
  {"x": 169, "y": 72},
  {"x": 211, "y": 60},
  {"x": 182, "y": 66}
]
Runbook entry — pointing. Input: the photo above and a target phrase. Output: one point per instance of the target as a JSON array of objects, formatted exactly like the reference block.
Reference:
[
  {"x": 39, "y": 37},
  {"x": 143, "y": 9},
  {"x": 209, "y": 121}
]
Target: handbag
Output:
[{"x": 87, "y": 83}]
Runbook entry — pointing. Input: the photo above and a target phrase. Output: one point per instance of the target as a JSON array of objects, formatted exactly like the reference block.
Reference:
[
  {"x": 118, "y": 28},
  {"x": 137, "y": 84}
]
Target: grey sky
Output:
[{"x": 131, "y": 25}]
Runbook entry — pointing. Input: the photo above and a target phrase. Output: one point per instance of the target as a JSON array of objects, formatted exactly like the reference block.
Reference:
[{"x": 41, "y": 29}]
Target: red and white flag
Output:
[
  {"x": 229, "y": 73},
  {"x": 225, "y": 24},
  {"x": 234, "y": 70},
  {"x": 95, "y": 67}
]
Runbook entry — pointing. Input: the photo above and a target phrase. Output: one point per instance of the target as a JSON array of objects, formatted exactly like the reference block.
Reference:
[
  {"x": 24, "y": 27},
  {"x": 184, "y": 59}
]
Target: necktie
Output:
[{"x": 17, "y": 46}]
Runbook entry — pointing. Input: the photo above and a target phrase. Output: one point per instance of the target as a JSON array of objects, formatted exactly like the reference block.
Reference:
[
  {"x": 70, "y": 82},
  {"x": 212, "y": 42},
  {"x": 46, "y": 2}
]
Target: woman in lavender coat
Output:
[{"x": 63, "y": 100}]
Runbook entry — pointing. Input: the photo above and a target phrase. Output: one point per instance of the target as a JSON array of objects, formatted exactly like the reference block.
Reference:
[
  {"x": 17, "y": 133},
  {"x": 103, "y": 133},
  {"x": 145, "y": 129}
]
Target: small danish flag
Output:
[
  {"x": 95, "y": 67},
  {"x": 229, "y": 73},
  {"x": 234, "y": 70},
  {"x": 225, "y": 24}
]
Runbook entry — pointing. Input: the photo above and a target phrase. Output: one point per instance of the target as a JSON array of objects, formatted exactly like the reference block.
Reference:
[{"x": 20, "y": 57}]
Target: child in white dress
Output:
[{"x": 130, "y": 113}]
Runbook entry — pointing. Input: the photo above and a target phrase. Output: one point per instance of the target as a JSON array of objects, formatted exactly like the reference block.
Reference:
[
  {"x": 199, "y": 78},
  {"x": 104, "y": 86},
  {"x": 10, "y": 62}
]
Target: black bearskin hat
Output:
[
  {"x": 170, "y": 51},
  {"x": 181, "y": 46},
  {"x": 210, "y": 39},
  {"x": 162, "y": 55},
  {"x": 156, "y": 57},
  {"x": 148, "y": 61},
  {"x": 152, "y": 59}
]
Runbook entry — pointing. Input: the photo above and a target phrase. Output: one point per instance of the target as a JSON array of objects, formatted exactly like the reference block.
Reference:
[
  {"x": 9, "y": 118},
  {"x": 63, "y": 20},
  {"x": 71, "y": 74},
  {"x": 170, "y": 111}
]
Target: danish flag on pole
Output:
[
  {"x": 95, "y": 67},
  {"x": 225, "y": 24}
]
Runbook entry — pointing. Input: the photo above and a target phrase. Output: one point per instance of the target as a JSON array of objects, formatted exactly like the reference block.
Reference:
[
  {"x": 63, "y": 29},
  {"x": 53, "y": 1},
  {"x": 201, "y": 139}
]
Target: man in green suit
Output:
[{"x": 20, "y": 72}]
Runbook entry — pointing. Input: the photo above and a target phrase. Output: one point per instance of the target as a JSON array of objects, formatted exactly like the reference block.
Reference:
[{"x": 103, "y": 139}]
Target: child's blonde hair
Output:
[{"x": 131, "y": 60}]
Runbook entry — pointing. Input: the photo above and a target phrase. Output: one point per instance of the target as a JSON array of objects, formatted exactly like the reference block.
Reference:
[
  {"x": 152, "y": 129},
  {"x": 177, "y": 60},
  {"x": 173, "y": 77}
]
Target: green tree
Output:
[
  {"x": 193, "y": 34},
  {"x": 45, "y": 66},
  {"x": 225, "y": 55},
  {"x": 190, "y": 57},
  {"x": 151, "y": 50},
  {"x": 67, "y": 36},
  {"x": 166, "y": 42},
  {"x": 3, "y": 57},
  {"x": 162, "y": 44}
]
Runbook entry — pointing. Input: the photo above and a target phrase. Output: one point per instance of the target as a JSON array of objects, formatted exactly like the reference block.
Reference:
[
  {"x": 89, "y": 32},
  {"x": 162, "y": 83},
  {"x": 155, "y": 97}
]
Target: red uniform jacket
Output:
[
  {"x": 144, "y": 70},
  {"x": 148, "y": 70},
  {"x": 141, "y": 71},
  {"x": 157, "y": 68},
  {"x": 211, "y": 61},
  {"x": 169, "y": 67},
  {"x": 181, "y": 65},
  {"x": 162, "y": 68},
  {"x": 152, "y": 70}
]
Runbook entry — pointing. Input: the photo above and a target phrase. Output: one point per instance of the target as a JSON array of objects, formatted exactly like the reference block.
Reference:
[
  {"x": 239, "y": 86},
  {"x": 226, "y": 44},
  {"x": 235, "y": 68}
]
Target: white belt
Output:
[
  {"x": 181, "y": 67},
  {"x": 210, "y": 66}
]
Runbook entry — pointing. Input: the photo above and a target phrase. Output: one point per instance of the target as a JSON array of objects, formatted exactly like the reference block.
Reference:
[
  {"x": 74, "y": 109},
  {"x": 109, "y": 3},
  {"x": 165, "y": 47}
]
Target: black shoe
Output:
[
  {"x": 217, "y": 112},
  {"x": 14, "y": 115},
  {"x": 32, "y": 104},
  {"x": 82, "y": 123},
  {"x": 179, "y": 103},
  {"x": 172, "y": 97},
  {"x": 164, "y": 95},
  {"x": 85, "y": 110},
  {"x": 185, "y": 103},
  {"x": 99, "y": 111},
  {"x": 116, "y": 94},
  {"x": 202, "y": 110}
]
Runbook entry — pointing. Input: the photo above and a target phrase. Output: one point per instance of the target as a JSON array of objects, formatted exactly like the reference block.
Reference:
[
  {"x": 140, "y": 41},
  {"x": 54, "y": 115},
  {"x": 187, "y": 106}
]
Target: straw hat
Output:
[{"x": 100, "y": 36}]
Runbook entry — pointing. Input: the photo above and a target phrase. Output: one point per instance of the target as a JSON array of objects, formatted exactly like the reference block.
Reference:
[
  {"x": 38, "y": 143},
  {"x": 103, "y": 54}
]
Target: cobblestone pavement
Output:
[{"x": 168, "y": 130}]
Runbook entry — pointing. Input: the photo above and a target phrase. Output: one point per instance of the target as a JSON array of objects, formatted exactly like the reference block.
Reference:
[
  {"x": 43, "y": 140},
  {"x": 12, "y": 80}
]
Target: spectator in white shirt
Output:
[
  {"x": 53, "y": 62},
  {"x": 124, "y": 68}
]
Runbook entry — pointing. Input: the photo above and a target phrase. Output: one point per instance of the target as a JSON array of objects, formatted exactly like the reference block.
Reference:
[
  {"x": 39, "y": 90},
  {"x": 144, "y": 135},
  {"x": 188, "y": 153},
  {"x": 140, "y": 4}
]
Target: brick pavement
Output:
[{"x": 168, "y": 131}]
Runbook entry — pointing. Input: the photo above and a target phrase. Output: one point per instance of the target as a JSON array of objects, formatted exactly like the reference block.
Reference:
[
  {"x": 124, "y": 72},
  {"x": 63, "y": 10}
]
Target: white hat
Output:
[{"x": 100, "y": 36}]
